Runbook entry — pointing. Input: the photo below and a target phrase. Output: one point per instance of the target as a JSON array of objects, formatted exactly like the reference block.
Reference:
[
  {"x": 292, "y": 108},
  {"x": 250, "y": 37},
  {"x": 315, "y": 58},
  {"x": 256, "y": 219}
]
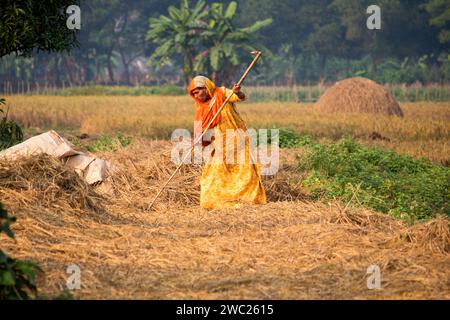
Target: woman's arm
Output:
[{"x": 238, "y": 92}]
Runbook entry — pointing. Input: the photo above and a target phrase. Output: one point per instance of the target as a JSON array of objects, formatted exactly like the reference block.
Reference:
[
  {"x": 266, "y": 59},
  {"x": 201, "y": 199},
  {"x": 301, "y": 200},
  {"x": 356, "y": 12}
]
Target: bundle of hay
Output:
[
  {"x": 43, "y": 181},
  {"x": 358, "y": 95}
]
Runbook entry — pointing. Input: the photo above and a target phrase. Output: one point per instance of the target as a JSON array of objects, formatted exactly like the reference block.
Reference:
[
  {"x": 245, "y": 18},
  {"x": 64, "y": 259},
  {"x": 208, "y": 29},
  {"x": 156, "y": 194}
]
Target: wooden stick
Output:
[{"x": 241, "y": 80}]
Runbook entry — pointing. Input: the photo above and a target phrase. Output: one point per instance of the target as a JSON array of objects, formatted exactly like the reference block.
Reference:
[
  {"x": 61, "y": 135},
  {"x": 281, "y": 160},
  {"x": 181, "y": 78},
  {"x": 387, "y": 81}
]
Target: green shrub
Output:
[
  {"x": 17, "y": 278},
  {"x": 287, "y": 138},
  {"x": 10, "y": 131},
  {"x": 383, "y": 180},
  {"x": 106, "y": 143}
]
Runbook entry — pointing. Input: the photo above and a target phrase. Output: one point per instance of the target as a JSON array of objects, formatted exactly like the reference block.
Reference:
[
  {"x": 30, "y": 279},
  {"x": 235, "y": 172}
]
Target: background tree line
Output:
[{"x": 304, "y": 42}]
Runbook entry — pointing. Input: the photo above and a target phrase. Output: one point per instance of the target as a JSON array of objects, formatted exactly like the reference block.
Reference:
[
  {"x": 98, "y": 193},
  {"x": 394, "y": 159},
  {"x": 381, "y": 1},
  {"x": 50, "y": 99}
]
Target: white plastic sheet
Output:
[{"x": 90, "y": 168}]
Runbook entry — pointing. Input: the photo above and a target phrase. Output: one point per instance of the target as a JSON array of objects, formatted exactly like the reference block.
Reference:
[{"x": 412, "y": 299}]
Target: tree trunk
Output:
[
  {"x": 323, "y": 62},
  {"x": 98, "y": 71},
  {"x": 188, "y": 67},
  {"x": 45, "y": 64},
  {"x": 87, "y": 70},
  {"x": 375, "y": 62},
  {"x": 291, "y": 75},
  {"x": 57, "y": 71},
  {"x": 109, "y": 65},
  {"x": 126, "y": 67}
]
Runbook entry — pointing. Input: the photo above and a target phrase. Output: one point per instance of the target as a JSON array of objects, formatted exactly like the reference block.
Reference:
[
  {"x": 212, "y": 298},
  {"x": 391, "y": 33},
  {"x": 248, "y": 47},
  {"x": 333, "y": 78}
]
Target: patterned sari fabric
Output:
[{"x": 229, "y": 178}]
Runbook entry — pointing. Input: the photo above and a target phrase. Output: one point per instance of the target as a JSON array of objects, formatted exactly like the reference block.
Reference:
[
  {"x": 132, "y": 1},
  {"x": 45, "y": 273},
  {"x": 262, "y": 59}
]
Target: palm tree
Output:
[
  {"x": 225, "y": 44},
  {"x": 178, "y": 34}
]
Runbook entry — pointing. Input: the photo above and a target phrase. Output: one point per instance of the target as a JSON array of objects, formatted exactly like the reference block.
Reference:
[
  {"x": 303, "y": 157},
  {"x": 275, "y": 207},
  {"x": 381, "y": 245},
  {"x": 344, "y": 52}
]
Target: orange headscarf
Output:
[{"x": 205, "y": 111}]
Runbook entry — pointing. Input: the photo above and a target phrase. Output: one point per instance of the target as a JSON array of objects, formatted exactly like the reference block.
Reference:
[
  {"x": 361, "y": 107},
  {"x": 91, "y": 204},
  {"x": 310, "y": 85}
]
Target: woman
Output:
[{"x": 225, "y": 183}]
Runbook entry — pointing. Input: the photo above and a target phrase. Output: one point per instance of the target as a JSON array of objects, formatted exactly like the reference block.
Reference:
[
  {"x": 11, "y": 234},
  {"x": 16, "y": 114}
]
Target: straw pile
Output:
[
  {"x": 358, "y": 95},
  {"x": 44, "y": 181},
  {"x": 285, "y": 250}
]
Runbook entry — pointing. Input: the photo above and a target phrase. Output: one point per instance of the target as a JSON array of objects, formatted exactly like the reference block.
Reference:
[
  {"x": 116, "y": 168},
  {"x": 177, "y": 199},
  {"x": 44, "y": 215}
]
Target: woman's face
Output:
[{"x": 201, "y": 94}]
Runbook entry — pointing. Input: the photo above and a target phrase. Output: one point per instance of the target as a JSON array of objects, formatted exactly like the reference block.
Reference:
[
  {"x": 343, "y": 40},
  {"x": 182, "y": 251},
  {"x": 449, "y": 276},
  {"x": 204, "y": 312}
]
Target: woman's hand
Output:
[{"x": 238, "y": 92}]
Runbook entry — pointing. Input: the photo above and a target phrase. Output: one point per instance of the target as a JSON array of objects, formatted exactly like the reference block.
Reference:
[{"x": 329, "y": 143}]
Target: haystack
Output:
[{"x": 358, "y": 95}]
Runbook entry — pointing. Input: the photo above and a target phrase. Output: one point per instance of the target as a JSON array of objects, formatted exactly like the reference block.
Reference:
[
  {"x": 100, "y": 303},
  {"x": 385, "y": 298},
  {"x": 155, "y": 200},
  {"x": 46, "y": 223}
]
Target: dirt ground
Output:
[{"x": 291, "y": 248}]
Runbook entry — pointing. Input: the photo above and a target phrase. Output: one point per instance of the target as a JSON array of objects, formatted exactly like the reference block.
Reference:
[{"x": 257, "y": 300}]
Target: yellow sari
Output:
[{"x": 222, "y": 184}]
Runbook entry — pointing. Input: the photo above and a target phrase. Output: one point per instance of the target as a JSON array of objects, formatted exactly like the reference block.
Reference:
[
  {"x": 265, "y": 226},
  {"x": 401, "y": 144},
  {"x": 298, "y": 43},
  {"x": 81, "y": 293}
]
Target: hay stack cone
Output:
[{"x": 358, "y": 95}]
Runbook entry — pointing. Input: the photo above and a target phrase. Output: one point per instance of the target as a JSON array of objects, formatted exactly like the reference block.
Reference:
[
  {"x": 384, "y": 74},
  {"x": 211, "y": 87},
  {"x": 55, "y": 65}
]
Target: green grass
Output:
[
  {"x": 167, "y": 90},
  {"x": 105, "y": 143},
  {"x": 287, "y": 138},
  {"x": 383, "y": 180}
]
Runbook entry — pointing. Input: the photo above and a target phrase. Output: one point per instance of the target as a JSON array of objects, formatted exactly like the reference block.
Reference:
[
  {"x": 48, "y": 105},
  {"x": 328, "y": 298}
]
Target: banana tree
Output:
[
  {"x": 178, "y": 35},
  {"x": 224, "y": 44}
]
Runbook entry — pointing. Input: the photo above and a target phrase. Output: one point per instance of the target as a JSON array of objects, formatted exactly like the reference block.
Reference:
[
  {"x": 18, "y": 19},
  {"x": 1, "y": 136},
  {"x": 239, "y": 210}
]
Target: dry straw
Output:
[{"x": 289, "y": 249}]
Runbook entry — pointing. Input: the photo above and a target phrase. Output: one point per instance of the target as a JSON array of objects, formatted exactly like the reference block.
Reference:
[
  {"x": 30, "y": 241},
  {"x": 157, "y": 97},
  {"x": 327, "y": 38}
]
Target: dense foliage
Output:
[
  {"x": 27, "y": 25},
  {"x": 10, "y": 131},
  {"x": 307, "y": 42}
]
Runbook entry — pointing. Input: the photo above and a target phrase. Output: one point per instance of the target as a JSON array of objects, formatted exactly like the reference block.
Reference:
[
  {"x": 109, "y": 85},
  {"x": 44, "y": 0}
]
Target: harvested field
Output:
[
  {"x": 290, "y": 248},
  {"x": 424, "y": 131}
]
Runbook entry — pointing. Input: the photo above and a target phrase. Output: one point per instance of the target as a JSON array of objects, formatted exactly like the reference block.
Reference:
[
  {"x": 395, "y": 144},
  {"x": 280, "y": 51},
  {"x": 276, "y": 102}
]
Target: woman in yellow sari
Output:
[{"x": 225, "y": 183}]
